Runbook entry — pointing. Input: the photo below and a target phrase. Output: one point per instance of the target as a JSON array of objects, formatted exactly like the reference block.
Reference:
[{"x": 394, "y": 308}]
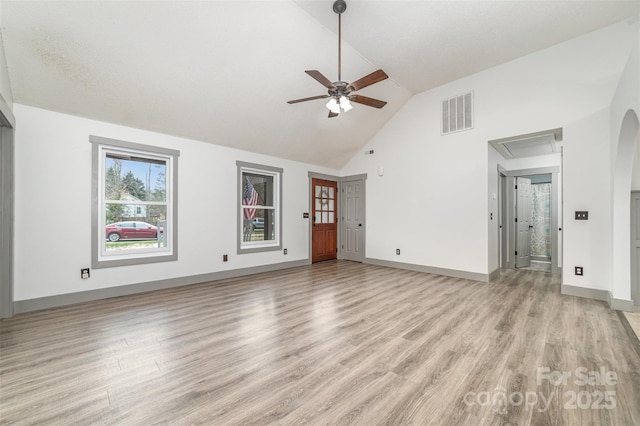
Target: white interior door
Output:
[
  {"x": 353, "y": 220},
  {"x": 523, "y": 222}
]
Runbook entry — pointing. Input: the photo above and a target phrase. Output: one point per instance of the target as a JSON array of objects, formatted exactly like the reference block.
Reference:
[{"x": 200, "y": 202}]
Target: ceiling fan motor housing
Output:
[
  {"x": 339, "y": 6},
  {"x": 341, "y": 89}
]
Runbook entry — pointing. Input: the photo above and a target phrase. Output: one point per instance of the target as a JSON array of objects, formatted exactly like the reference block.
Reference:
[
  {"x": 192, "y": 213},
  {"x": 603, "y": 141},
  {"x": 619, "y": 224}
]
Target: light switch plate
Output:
[{"x": 582, "y": 215}]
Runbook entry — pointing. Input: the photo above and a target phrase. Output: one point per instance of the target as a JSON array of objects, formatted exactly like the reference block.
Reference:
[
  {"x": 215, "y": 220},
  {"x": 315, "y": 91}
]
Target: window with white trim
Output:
[
  {"x": 134, "y": 217},
  {"x": 259, "y": 208}
]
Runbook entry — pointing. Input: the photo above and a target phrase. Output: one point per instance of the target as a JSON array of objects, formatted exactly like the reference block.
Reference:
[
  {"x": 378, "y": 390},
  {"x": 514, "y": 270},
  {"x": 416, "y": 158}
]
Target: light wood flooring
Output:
[
  {"x": 538, "y": 265},
  {"x": 332, "y": 343}
]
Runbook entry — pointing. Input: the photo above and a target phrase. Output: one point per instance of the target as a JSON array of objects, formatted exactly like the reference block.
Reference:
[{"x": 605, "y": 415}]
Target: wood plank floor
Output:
[{"x": 332, "y": 343}]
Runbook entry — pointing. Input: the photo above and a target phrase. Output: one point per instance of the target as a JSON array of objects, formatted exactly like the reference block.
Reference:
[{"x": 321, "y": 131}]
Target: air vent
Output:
[{"x": 457, "y": 113}]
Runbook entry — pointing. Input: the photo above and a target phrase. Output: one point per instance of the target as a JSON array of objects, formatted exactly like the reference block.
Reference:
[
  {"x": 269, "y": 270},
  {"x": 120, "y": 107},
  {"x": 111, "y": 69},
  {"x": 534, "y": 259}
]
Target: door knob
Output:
[{"x": 359, "y": 224}]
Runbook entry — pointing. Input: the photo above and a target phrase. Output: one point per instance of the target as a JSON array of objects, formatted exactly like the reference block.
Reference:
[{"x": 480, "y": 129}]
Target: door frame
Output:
[
  {"x": 7, "y": 192},
  {"x": 507, "y": 241},
  {"x": 339, "y": 180}
]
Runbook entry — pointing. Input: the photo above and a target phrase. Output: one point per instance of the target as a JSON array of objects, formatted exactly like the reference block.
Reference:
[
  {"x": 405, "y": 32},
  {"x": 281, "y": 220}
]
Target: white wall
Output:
[
  {"x": 437, "y": 185},
  {"x": 53, "y": 206},
  {"x": 626, "y": 100},
  {"x": 551, "y": 160},
  {"x": 5, "y": 85}
]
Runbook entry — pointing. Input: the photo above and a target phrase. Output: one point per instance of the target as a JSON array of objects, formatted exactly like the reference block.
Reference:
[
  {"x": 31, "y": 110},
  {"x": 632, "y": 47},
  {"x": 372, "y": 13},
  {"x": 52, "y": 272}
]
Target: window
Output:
[
  {"x": 134, "y": 217},
  {"x": 259, "y": 205}
]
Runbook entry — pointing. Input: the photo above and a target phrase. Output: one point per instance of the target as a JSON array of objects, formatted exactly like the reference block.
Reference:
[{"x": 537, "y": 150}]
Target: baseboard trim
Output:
[
  {"x": 49, "y": 302},
  {"x": 619, "y": 304},
  {"x": 430, "y": 269},
  {"x": 586, "y": 293},
  {"x": 603, "y": 295}
]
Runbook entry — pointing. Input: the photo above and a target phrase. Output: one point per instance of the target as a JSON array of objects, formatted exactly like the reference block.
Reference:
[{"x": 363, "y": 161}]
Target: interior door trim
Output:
[{"x": 7, "y": 212}]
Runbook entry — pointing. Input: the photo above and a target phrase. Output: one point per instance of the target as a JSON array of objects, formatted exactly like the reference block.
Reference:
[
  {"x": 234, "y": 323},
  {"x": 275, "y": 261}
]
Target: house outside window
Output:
[
  {"x": 134, "y": 214},
  {"x": 259, "y": 208}
]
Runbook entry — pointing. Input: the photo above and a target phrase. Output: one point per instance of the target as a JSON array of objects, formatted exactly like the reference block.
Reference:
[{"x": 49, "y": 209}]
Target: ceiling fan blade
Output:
[
  {"x": 308, "y": 99},
  {"x": 317, "y": 75},
  {"x": 368, "y": 80},
  {"x": 367, "y": 101},
  {"x": 333, "y": 114}
]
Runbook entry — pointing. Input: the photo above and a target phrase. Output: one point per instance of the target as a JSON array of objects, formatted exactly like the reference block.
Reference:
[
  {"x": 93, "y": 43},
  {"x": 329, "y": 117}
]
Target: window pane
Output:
[
  {"x": 261, "y": 228},
  {"x": 257, "y": 190},
  {"x": 133, "y": 227},
  {"x": 134, "y": 179}
]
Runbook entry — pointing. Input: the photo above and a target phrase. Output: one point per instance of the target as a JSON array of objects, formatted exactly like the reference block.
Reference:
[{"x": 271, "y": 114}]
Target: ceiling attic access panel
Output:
[{"x": 545, "y": 142}]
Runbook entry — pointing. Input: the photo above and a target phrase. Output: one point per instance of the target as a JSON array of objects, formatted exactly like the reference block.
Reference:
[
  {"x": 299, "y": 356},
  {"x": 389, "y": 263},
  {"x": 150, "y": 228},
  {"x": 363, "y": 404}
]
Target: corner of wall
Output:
[{"x": 6, "y": 93}]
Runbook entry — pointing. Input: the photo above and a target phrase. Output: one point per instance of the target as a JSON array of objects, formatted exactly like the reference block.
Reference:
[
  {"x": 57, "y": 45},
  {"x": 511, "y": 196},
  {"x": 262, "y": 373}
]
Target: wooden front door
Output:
[{"x": 325, "y": 218}]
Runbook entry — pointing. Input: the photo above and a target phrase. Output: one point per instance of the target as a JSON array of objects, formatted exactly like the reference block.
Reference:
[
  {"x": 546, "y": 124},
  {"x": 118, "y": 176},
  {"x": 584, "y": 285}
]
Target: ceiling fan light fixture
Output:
[
  {"x": 345, "y": 104},
  {"x": 333, "y": 106}
]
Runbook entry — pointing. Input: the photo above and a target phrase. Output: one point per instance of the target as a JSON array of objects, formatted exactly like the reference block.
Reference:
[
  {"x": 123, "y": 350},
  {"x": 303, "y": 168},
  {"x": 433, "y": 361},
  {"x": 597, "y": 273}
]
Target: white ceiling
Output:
[{"x": 222, "y": 71}]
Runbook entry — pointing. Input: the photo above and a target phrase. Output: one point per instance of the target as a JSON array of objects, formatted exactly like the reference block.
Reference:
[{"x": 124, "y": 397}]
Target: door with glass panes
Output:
[{"x": 325, "y": 218}]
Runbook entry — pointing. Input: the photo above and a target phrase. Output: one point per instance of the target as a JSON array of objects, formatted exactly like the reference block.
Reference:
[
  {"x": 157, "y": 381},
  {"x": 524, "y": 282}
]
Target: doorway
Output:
[
  {"x": 529, "y": 219},
  {"x": 337, "y": 228}
]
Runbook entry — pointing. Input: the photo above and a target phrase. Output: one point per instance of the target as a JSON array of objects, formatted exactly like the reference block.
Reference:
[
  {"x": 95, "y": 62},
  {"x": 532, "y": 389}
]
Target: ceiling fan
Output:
[{"x": 340, "y": 92}]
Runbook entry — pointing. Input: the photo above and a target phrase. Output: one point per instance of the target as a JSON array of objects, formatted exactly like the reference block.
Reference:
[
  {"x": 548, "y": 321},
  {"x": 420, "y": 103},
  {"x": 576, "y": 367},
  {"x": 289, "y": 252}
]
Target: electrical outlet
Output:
[
  {"x": 225, "y": 257},
  {"x": 84, "y": 273},
  {"x": 579, "y": 270},
  {"x": 285, "y": 251},
  {"x": 398, "y": 251}
]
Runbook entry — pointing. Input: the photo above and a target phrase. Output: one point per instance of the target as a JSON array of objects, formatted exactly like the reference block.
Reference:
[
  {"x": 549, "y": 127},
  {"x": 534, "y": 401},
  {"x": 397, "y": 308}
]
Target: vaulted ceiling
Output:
[{"x": 222, "y": 71}]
